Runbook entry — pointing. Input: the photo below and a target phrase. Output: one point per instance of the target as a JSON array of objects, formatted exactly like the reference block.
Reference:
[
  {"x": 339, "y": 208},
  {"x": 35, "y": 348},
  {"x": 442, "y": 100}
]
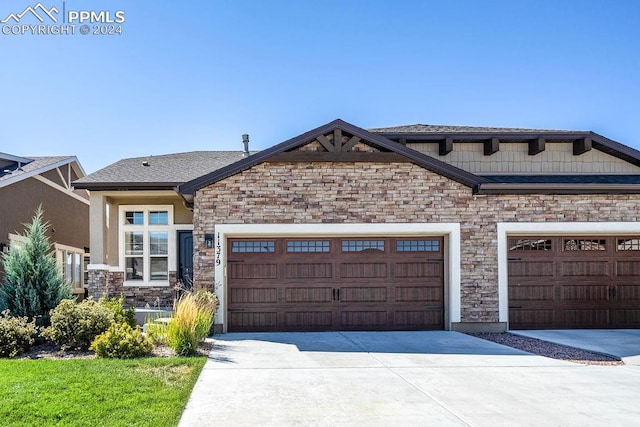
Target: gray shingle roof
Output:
[
  {"x": 37, "y": 163},
  {"x": 162, "y": 171},
  {"x": 421, "y": 128}
]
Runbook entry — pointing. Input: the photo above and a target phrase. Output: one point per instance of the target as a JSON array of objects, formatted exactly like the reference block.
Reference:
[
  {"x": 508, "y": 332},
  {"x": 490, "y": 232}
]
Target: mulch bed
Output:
[
  {"x": 52, "y": 351},
  {"x": 547, "y": 349}
]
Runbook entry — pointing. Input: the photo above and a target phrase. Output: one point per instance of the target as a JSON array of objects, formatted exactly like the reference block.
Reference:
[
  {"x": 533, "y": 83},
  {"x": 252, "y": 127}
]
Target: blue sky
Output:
[{"x": 195, "y": 75}]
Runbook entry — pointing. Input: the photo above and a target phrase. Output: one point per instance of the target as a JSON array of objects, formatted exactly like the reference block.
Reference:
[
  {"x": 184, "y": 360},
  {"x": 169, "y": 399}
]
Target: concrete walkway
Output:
[
  {"x": 623, "y": 344},
  {"x": 401, "y": 378}
]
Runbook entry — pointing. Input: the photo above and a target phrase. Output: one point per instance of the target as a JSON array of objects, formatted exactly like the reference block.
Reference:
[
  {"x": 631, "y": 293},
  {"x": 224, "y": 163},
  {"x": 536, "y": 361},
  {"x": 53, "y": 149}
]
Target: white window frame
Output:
[
  {"x": 77, "y": 264},
  {"x": 170, "y": 228}
]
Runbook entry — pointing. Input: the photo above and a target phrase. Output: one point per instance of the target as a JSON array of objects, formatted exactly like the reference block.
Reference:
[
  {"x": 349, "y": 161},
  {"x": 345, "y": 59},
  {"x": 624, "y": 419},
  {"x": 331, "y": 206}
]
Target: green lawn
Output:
[{"x": 96, "y": 392}]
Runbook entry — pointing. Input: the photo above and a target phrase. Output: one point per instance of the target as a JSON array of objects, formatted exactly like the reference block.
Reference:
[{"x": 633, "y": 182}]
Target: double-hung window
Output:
[{"x": 145, "y": 243}]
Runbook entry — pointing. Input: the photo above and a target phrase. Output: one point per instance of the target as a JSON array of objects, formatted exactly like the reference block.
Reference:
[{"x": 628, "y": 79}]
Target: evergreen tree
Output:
[{"x": 33, "y": 283}]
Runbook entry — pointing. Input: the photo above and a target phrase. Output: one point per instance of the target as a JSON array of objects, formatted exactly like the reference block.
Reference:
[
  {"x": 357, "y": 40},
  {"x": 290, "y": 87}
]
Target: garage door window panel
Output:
[
  {"x": 572, "y": 245},
  {"x": 418, "y": 246},
  {"x": 533, "y": 244},
  {"x": 308, "y": 246},
  {"x": 362, "y": 245},
  {"x": 253, "y": 246}
]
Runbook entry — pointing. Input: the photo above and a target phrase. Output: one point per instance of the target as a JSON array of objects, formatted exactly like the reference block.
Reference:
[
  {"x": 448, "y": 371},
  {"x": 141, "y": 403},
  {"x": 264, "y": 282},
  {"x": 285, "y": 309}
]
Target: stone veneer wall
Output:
[
  {"x": 384, "y": 193},
  {"x": 104, "y": 283}
]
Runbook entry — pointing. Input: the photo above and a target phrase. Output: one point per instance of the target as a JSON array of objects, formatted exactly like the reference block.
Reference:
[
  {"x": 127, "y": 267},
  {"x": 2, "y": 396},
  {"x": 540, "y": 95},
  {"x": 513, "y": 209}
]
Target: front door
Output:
[{"x": 185, "y": 258}]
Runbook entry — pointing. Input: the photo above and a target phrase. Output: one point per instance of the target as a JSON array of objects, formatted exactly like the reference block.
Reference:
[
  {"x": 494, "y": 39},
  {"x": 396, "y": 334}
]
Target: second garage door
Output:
[
  {"x": 574, "y": 282},
  {"x": 335, "y": 284}
]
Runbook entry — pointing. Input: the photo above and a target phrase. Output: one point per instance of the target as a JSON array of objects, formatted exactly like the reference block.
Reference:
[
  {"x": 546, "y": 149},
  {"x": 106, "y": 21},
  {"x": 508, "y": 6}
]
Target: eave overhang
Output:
[
  {"x": 125, "y": 186},
  {"x": 599, "y": 142},
  {"x": 559, "y": 189}
]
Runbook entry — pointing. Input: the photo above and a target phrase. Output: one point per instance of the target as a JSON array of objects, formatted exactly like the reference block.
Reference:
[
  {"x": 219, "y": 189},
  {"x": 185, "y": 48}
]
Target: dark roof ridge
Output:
[{"x": 436, "y": 128}]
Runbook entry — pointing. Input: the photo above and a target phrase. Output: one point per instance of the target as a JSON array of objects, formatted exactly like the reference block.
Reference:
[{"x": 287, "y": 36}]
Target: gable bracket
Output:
[
  {"x": 337, "y": 140},
  {"x": 324, "y": 141},
  {"x": 536, "y": 146},
  {"x": 445, "y": 146},
  {"x": 491, "y": 146},
  {"x": 581, "y": 146}
]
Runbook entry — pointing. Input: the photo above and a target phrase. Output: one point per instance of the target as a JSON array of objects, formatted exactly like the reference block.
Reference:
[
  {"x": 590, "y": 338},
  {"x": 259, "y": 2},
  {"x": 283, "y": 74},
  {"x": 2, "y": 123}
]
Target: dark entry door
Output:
[{"x": 185, "y": 258}]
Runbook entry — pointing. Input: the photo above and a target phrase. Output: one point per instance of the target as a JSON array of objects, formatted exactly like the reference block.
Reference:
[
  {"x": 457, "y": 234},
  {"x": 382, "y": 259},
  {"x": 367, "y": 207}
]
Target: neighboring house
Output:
[
  {"x": 411, "y": 227},
  {"x": 29, "y": 182}
]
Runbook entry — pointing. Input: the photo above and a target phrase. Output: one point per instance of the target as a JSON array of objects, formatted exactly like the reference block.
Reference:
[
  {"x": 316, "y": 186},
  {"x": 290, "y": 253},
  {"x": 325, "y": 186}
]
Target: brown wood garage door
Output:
[
  {"x": 574, "y": 282},
  {"x": 335, "y": 284}
]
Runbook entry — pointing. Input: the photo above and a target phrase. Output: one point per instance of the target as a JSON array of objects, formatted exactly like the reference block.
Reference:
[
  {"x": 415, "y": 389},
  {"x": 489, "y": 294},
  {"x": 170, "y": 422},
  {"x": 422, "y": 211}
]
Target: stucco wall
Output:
[
  {"x": 68, "y": 216},
  {"x": 381, "y": 193}
]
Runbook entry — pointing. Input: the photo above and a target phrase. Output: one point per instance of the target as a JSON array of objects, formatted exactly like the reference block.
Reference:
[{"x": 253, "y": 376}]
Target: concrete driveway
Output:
[{"x": 402, "y": 378}]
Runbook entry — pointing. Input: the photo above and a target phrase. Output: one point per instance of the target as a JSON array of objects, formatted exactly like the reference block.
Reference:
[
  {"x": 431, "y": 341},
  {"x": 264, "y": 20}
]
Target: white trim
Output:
[
  {"x": 547, "y": 228},
  {"x": 16, "y": 238},
  {"x": 110, "y": 268},
  {"x": 452, "y": 251},
  {"x": 66, "y": 185},
  {"x": 62, "y": 189},
  {"x": 68, "y": 248},
  {"x": 18, "y": 159},
  {"x": 170, "y": 228},
  {"x": 154, "y": 284},
  {"x": 16, "y": 177}
]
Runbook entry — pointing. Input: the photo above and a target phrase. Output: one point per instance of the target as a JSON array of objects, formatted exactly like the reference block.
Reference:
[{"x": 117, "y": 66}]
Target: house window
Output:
[
  {"x": 69, "y": 259},
  {"x": 134, "y": 218},
  {"x": 145, "y": 243},
  {"x": 159, "y": 218}
]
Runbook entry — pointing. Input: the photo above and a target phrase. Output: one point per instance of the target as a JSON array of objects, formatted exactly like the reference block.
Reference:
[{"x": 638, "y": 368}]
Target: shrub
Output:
[
  {"x": 75, "y": 325},
  {"x": 33, "y": 283},
  {"x": 157, "y": 331},
  {"x": 120, "y": 314},
  {"x": 17, "y": 334},
  {"x": 191, "y": 322},
  {"x": 121, "y": 341}
]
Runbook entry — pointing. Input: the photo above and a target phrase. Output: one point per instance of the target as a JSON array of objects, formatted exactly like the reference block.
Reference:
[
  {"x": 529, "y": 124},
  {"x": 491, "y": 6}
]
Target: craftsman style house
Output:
[
  {"x": 411, "y": 227},
  {"x": 26, "y": 184}
]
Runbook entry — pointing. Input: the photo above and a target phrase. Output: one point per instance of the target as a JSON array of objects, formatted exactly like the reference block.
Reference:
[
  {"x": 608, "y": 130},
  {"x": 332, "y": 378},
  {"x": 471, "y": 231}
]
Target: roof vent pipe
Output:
[{"x": 245, "y": 141}]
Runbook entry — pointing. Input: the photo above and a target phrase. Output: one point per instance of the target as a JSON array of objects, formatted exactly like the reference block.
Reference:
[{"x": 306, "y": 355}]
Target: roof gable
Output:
[
  {"x": 39, "y": 165},
  {"x": 337, "y": 140}
]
